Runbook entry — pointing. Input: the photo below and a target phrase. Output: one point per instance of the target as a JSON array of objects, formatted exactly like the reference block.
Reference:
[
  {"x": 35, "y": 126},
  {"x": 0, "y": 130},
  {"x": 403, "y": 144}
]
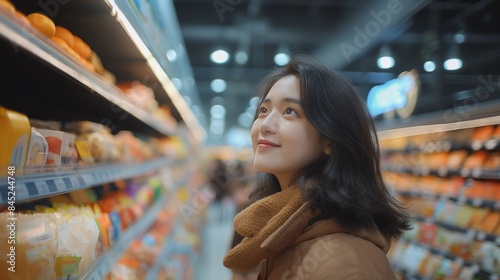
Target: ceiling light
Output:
[
  {"x": 218, "y": 112},
  {"x": 245, "y": 120},
  {"x": 218, "y": 85},
  {"x": 219, "y": 56},
  {"x": 453, "y": 61},
  {"x": 459, "y": 38},
  {"x": 241, "y": 57},
  {"x": 217, "y": 126},
  {"x": 452, "y": 64},
  {"x": 429, "y": 66},
  {"x": 385, "y": 60},
  {"x": 217, "y": 101},
  {"x": 171, "y": 55},
  {"x": 254, "y": 101},
  {"x": 281, "y": 59}
]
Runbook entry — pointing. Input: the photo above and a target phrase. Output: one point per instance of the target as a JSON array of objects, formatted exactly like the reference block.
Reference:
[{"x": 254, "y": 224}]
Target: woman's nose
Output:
[{"x": 269, "y": 124}]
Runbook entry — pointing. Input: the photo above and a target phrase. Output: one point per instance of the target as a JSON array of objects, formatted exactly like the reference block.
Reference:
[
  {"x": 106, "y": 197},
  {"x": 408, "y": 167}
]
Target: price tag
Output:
[
  {"x": 481, "y": 236},
  {"x": 477, "y": 172},
  {"x": 465, "y": 172},
  {"x": 461, "y": 200},
  {"x": 491, "y": 144},
  {"x": 443, "y": 171},
  {"x": 60, "y": 185},
  {"x": 476, "y": 145},
  {"x": 470, "y": 234},
  {"x": 75, "y": 183},
  {"x": 88, "y": 180},
  {"x": 22, "y": 191},
  {"x": 477, "y": 202},
  {"x": 108, "y": 176},
  {"x": 42, "y": 187}
]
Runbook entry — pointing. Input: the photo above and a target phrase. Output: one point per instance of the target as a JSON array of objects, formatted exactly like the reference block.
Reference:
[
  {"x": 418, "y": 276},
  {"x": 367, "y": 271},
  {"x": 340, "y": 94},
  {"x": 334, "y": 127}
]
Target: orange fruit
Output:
[
  {"x": 43, "y": 24},
  {"x": 60, "y": 42},
  {"x": 7, "y": 6},
  {"x": 23, "y": 18},
  {"x": 65, "y": 35},
  {"x": 81, "y": 47},
  {"x": 74, "y": 54}
]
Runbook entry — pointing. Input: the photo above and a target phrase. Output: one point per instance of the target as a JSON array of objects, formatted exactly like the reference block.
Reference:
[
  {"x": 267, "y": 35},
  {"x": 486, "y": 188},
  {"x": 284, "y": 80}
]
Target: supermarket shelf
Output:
[
  {"x": 29, "y": 187},
  {"x": 105, "y": 262},
  {"x": 163, "y": 257},
  {"x": 480, "y": 272},
  {"x": 143, "y": 36},
  {"x": 476, "y": 173},
  {"x": 471, "y": 233},
  {"x": 29, "y": 39},
  {"x": 442, "y": 121},
  {"x": 447, "y": 146},
  {"x": 476, "y": 202},
  {"x": 408, "y": 274}
]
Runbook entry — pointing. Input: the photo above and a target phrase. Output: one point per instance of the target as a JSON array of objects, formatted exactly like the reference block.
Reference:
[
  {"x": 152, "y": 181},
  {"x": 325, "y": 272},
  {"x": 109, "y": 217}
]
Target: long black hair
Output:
[{"x": 347, "y": 185}]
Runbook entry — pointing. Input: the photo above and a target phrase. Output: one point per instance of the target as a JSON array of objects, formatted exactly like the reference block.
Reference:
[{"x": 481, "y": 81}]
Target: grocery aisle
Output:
[{"x": 216, "y": 237}]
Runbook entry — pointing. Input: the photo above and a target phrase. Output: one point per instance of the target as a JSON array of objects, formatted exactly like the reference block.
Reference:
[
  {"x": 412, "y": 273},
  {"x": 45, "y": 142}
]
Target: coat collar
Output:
[{"x": 296, "y": 230}]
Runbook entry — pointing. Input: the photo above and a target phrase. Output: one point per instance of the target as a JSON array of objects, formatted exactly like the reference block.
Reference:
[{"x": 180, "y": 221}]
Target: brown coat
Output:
[{"x": 324, "y": 251}]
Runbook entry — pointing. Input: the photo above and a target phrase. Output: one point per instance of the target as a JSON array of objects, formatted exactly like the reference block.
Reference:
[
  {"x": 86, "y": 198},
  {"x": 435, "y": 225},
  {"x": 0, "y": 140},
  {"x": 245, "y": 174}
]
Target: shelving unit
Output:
[
  {"x": 45, "y": 82},
  {"x": 104, "y": 263},
  {"x": 407, "y": 150},
  {"x": 36, "y": 186}
]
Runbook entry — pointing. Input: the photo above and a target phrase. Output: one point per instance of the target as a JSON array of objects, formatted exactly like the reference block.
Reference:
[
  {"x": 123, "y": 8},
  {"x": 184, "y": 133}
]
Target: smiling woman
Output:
[{"x": 323, "y": 210}]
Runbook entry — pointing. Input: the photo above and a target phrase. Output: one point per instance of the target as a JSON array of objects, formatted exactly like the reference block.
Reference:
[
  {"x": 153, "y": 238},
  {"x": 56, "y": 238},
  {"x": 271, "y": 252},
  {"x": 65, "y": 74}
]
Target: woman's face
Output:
[{"x": 283, "y": 139}]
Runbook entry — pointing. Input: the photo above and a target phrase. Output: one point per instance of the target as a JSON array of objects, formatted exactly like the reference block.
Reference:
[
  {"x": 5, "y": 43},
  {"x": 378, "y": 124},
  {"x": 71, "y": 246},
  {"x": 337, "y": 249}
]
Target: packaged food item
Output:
[
  {"x": 475, "y": 160},
  {"x": 35, "y": 246},
  {"x": 456, "y": 159},
  {"x": 84, "y": 151},
  {"x": 77, "y": 239},
  {"x": 481, "y": 135},
  {"x": 429, "y": 266},
  {"x": 447, "y": 270},
  {"x": 103, "y": 146},
  {"x": 491, "y": 222},
  {"x": 61, "y": 146},
  {"x": 38, "y": 152},
  {"x": 14, "y": 140},
  {"x": 492, "y": 162},
  {"x": 41, "y": 124}
]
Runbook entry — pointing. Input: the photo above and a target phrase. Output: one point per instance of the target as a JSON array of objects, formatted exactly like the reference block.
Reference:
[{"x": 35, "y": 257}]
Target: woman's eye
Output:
[
  {"x": 289, "y": 111},
  {"x": 262, "y": 110}
]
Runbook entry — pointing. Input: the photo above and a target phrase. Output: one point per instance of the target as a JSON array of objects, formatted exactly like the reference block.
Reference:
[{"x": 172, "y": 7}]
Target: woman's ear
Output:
[{"x": 328, "y": 148}]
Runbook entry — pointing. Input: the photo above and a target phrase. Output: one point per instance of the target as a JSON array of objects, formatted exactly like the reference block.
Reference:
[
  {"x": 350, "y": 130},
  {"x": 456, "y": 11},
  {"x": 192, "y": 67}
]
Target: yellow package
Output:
[{"x": 31, "y": 241}]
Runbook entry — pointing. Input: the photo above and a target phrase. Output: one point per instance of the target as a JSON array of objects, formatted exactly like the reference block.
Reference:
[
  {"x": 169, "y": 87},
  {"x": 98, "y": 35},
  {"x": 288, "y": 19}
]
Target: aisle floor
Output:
[{"x": 216, "y": 239}]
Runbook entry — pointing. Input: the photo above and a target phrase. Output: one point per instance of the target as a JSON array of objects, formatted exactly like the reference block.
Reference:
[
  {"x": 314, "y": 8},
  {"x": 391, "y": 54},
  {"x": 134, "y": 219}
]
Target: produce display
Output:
[{"x": 451, "y": 183}]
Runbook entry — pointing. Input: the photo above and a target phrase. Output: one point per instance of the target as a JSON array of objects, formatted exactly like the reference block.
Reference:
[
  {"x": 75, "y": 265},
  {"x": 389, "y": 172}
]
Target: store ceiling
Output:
[{"x": 415, "y": 31}]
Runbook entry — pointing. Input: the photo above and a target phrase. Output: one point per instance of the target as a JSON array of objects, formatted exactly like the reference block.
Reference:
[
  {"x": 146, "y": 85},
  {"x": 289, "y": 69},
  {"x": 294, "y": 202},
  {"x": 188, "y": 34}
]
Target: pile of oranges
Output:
[{"x": 68, "y": 42}]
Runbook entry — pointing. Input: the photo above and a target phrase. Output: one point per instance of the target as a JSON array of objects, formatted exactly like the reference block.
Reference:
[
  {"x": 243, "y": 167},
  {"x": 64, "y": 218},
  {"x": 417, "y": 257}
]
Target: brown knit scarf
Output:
[{"x": 256, "y": 223}]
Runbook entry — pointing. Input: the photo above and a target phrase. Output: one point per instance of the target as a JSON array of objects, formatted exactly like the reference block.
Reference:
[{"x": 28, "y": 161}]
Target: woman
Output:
[{"x": 324, "y": 211}]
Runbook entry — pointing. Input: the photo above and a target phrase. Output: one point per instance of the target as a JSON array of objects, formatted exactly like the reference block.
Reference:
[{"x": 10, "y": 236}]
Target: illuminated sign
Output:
[{"x": 397, "y": 95}]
